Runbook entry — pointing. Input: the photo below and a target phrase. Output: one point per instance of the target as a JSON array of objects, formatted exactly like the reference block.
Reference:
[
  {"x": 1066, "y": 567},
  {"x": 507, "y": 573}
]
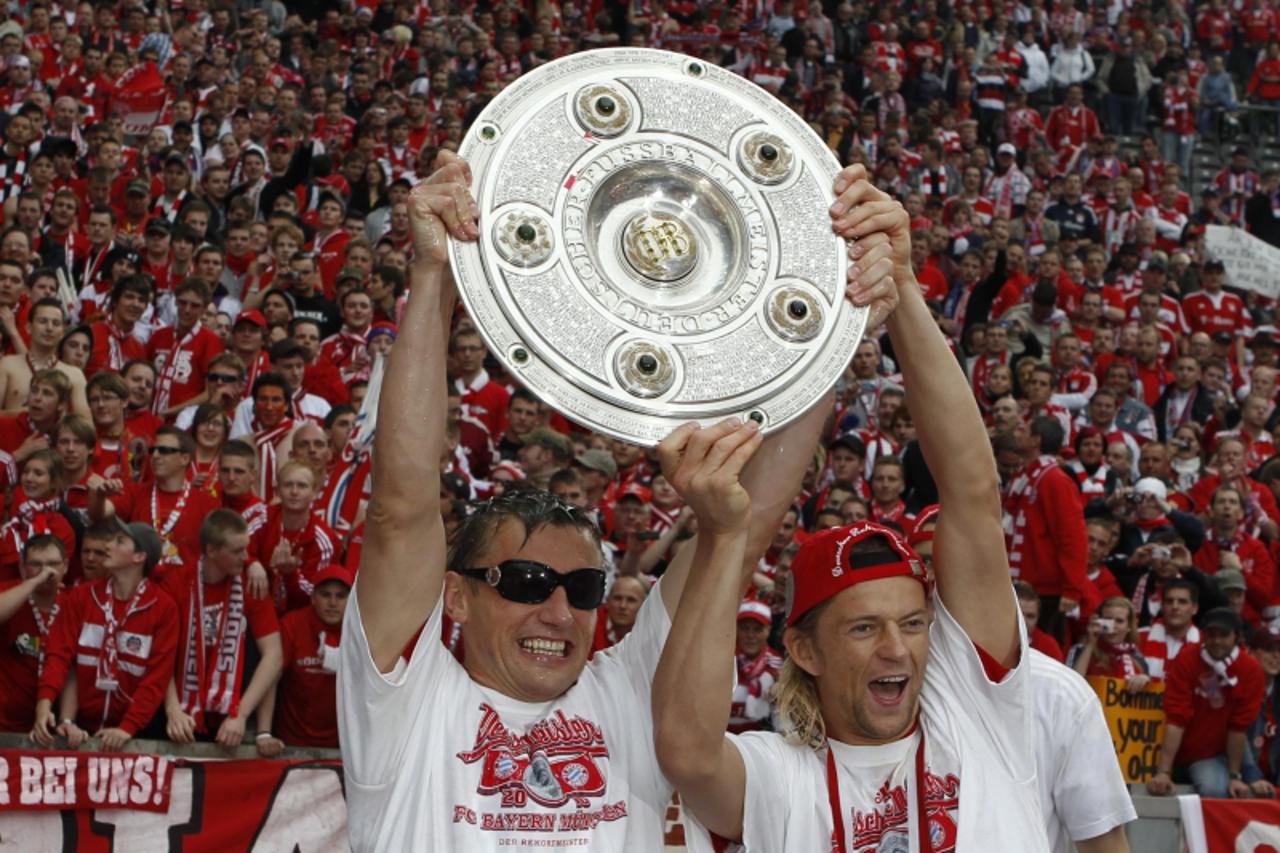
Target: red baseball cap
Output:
[
  {"x": 334, "y": 572},
  {"x": 757, "y": 611},
  {"x": 918, "y": 534},
  {"x": 251, "y": 316},
  {"x": 826, "y": 564},
  {"x": 637, "y": 491}
]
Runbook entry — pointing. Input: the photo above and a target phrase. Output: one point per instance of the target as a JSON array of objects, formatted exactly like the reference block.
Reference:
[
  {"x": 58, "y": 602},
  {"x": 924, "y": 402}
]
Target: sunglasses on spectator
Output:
[
  {"x": 165, "y": 451},
  {"x": 531, "y": 582},
  {"x": 222, "y": 378}
]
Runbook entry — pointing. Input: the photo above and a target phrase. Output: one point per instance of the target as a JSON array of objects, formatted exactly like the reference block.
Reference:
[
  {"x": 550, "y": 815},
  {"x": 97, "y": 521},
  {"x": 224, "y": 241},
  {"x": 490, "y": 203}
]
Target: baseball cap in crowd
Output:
[
  {"x": 157, "y": 225},
  {"x": 851, "y": 443},
  {"x": 334, "y": 572},
  {"x": 282, "y": 142},
  {"x": 1222, "y": 618},
  {"x": 1264, "y": 336},
  {"x": 251, "y": 316},
  {"x": 19, "y": 61},
  {"x": 175, "y": 157},
  {"x": 1152, "y": 486},
  {"x": 10, "y": 28},
  {"x": 635, "y": 491},
  {"x": 1007, "y": 148},
  {"x": 550, "y": 439},
  {"x": 145, "y": 539},
  {"x": 755, "y": 611},
  {"x": 138, "y": 187},
  {"x": 1228, "y": 579},
  {"x": 598, "y": 460},
  {"x": 926, "y": 518},
  {"x": 1222, "y": 337},
  {"x": 1215, "y": 264},
  {"x": 1156, "y": 264},
  {"x": 349, "y": 274},
  {"x": 1210, "y": 192},
  {"x": 1265, "y": 640},
  {"x": 388, "y": 329},
  {"x": 826, "y": 565}
]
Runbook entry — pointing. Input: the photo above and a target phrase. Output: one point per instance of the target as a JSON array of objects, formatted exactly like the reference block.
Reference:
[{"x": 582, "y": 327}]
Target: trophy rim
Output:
[{"x": 815, "y": 369}]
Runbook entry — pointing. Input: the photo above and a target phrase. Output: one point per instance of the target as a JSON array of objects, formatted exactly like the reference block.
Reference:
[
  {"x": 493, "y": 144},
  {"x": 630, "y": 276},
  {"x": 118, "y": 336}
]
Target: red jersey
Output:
[
  {"x": 486, "y": 401},
  {"x": 182, "y": 364},
  {"x": 1160, "y": 649},
  {"x": 222, "y": 663},
  {"x": 1255, "y": 564},
  {"x": 1208, "y": 707},
  {"x": 315, "y": 545},
  {"x": 23, "y": 642},
  {"x": 126, "y": 695},
  {"x": 112, "y": 348},
  {"x": 307, "y": 695},
  {"x": 176, "y": 516},
  {"x": 1216, "y": 312},
  {"x": 1070, "y": 127},
  {"x": 14, "y": 431},
  {"x": 40, "y": 517}
]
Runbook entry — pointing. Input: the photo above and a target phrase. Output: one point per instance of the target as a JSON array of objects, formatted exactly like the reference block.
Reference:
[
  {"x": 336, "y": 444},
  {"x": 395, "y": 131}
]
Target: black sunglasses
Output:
[
  {"x": 222, "y": 378},
  {"x": 531, "y": 582},
  {"x": 165, "y": 451}
]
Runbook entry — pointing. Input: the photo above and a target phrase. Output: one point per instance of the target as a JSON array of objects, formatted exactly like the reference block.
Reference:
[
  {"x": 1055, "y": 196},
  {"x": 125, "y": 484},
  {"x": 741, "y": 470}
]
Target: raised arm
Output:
[
  {"x": 969, "y": 557},
  {"x": 402, "y": 565}
]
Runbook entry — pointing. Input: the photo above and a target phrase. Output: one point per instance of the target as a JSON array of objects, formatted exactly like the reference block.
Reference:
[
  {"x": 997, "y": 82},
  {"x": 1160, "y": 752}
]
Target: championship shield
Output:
[{"x": 655, "y": 245}]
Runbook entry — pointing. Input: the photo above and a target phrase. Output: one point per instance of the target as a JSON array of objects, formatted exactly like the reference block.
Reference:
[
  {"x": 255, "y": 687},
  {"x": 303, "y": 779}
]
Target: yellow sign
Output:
[{"x": 1136, "y": 723}]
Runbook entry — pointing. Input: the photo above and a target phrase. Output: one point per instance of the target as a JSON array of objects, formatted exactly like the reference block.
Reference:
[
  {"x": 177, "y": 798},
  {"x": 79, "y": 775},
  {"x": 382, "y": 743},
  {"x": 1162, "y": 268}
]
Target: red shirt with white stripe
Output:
[
  {"x": 316, "y": 545},
  {"x": 1216, "y": 312},
  {"x": 146, "y": 640}
]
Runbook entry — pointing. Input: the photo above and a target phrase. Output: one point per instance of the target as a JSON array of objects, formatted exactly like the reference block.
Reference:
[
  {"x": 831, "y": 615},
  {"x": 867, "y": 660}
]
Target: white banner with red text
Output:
[{"x": 1251, "y": 263}]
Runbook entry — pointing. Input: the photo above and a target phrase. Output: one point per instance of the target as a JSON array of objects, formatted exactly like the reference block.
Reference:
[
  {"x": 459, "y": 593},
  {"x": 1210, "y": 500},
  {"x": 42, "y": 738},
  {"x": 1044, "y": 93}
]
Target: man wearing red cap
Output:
[
  {"x": 758, "y": 668},
  {"x": 305, "y": 699},
  {"x": 907, "y": 712},
  {"x": 248, "y": 340}
]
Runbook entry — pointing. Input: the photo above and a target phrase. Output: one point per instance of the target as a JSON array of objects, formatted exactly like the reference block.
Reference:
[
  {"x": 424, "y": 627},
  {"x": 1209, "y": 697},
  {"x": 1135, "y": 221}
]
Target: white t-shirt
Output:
[
  {"x": 979, "y": 786},
  {"x": 433, "y": 761},
  {"x": 1082, "y": 793}
]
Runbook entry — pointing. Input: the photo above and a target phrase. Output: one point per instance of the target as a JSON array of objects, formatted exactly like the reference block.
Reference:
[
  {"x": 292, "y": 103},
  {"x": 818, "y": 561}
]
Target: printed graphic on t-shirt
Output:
[
  {"x": 553, "y": 763},
  {"x": 886, "y": 829}
]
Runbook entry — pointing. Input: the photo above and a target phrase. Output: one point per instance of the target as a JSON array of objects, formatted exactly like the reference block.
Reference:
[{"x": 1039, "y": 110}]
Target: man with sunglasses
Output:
[
  {"x": 525, "y": 744},
  {"x": 224, "y": 387},
  {"x": 169, "y": 503}
]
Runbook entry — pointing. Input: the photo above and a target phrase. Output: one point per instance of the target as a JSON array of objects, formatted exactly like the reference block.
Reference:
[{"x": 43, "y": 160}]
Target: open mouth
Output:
[
  {"x": 544, "y": 648},
  {"x": 888, "y": 690}
]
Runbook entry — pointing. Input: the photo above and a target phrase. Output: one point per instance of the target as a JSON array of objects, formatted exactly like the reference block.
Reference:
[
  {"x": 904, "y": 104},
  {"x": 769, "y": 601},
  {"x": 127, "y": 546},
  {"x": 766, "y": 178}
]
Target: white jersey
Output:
[
  {"x": 979, "y": 767},
  {"x": 1082, "y": 793},
  {"x": 433, "y": 761}
]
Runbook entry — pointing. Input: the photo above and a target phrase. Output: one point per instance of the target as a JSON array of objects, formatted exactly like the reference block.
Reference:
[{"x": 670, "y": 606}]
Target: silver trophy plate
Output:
[{"x": 655, "y": 245}]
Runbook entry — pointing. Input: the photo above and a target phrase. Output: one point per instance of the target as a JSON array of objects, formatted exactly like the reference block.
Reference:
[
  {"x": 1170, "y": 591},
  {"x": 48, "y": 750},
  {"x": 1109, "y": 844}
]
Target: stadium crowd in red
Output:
[{"x": 199, "y": 270}]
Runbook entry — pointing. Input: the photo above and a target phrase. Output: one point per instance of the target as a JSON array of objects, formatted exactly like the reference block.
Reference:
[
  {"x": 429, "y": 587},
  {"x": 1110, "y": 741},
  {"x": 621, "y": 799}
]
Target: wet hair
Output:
[{"x": 533, "y": 509}]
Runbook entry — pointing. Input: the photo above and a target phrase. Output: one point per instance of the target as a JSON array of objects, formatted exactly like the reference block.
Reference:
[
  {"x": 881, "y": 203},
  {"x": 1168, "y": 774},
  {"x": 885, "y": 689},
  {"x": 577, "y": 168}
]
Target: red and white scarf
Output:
[
  {"x": 166, "y": 527},
  {"x": 266, "y": 441},
  {"x": 170, "y": 372},
  {"x": 1220, "y": 667},
  {"x": 115, "y": 353},
  {"x": 42, "y": 628},
  {"x": 1021, "y": 496},
  {"x": 107, "y": 677},
  {"x": 750, "y": 670},
  {"x": 213, "y": 688},
  {"x": 1125, "y": 656}
]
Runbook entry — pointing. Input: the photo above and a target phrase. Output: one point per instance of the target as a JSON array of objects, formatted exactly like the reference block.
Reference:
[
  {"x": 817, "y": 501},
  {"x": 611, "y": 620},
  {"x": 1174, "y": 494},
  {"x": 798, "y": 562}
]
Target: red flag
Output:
[
  {"x": 1230, "y": 826},
  {"x": 140, "y": 97}
]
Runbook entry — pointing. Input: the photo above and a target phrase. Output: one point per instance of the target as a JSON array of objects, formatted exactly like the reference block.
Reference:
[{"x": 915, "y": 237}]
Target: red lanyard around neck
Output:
[{"x": 837, "y": 813}]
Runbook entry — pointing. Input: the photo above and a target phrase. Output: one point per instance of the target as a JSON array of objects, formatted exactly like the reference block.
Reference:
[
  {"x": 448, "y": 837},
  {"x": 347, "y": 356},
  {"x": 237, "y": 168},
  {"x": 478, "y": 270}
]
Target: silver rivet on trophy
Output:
[
  {"x": 765, "y": 158},
  {"x": 523, "y": 238},
  {"x": 603, "y": 110},
  {"x": 794, "y": 314},
  {"x": 644, "y": 369}
]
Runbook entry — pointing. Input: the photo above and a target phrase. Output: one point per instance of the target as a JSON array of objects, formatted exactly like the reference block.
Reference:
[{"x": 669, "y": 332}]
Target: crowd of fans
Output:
[{"x": 190, "y": 318}]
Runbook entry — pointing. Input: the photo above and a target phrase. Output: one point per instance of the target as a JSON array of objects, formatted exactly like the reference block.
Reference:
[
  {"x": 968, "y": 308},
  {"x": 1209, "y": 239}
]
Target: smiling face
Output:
[
  {"x": 529, "y": 652},
  {"x": 868, "y": 652}
]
